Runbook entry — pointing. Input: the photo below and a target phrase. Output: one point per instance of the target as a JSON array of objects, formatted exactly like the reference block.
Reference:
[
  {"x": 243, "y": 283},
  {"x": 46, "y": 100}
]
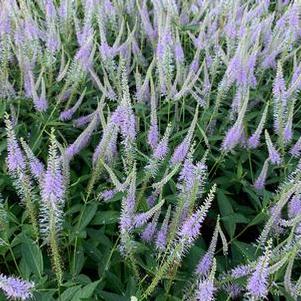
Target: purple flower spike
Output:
[
  {"x": 161, "y": 239},
  {"x": 190, "y": 229},
  {"x": 153, "y": 136},
  {"x": 205, "y": 291},
  {"x": 15, "y": 288},
  {"x": 149, "y": 232},
  {"x": 296, "y": 149},
  {"x": 41, "y": 104},
  {"x": 232, "y": 137},
  {"x": 205, "y": 264},
  {"x": 294, "y": 206},
  {"x": 260, "y": 182},
  {"x": 15, "y": 157},
  {"x": 258, "y": 282},
  {"x": 274, "y": 156},
  {"x": 180, "y": 152},
  {"x": 240, "y": 271}
]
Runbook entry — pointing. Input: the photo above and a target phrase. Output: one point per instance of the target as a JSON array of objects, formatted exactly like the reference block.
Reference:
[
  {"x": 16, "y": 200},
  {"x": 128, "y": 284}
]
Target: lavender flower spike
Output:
[
  {"x": 254, "y": 139},
  {"x": 205, "y": 263},
  {"x": 161, "y": 149},
  {"x": 182, "y": 149},
  {"x": 206, "y": 288},
  {"x": 191, "y": 227},
  {"x": 258, "y": 282},
  {"x": 15, "y": 157},
  {"x": 295, "y": 151},
  {"x": 15, "y": 288},
  {"x": 36, "y": 166},
  {"x": 288, "y": 129},
  {"x": 233, "y": 136},
  {"x": 274, "y": 156},
  {"x": 162, "y": 233},
  {"x": 153, "y": 134},
  {"x": 149, "y": 232},
  {"x": 52, "y": 193},
  {"x": 260, "y": 182},
  {"x": 128, "y": 205},
  {"x": 67, "y": 114}
]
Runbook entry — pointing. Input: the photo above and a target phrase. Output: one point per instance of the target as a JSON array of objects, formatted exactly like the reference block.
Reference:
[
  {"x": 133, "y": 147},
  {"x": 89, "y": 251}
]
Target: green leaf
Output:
[
  {"x": 113, "y": 297},
  {"x": 32, "y": 256},
  {"x": 246, "y": 250},
  {"x": 69, "y": 293},
  {"x": 86, "y": 292},
  {"x": 87, "y": 215},
  {"x": 236, "y": 218},
  {"x": 226, "y": 209},
  {"x": 105, "y": 217}
]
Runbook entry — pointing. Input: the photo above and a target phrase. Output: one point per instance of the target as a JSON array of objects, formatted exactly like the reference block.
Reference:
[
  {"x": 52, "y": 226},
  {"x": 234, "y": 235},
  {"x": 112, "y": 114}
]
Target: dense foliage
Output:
[{"x": 149, "y": 150}]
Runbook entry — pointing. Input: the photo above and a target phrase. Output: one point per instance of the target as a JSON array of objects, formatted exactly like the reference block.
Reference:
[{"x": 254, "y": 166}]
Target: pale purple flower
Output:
[
  {"x": 66, "y": 115},
  {"x": 274, "y": 156},
  {"x": 151, "y": 200},
  {"x": 41, "y": 104},
  {"x": 233, "y": 290},
  {"x": 205, "y": 264},
  {"x": 187, "y": 174},
  {"x": 161, "y": 239},
  {"x": 63, "y": 10},
  {"x": 83, "y": 55},
  {"x": 253, "y": 141},
  {"x": 108, "y": 194},
  {"x": 124, "y": 118},
  {"x": 52, "y": 43},
  {"x": 145, "y": 18},
  {"x": 50, "y": 9},
  {"x": 106, "y": 51},
  {"x": 179, "y": 54},
  {"x": 279, "y": 88},
  {"x": 194, "y": 66},
  {"x": 294, "y": 206},
  {"x": 180, "y": 152},
  {"x": 161, "y": 149},
  {"x": 205, "y": 290},
  {"x": 192, "y": 175},
  {"x": 128, "y": 207},
  {"x": 260, "y": 181},
  {"x": 295, "y": 151},
  {"x": 109, "y": 8},
  {"x": 258, "y": 282},
  {"x": 15, "y": 157},
  {"x": 107, "y": 147},
  {"x": 149, "y": 231},
  {"x": 15, "y": 288},
  {"x": 288, "y": 133},
  {"x": 53, "y": 185},
  {"x": 153, "y": 135},
  {"x": 232, "y": 137},
  {"x": 27, "y": 80},
  {"x": 83, "y": 139},
  {"x": 240, "y": 271},
  {"x": 83, "y": 120},
  {"x": 74, "y": 148},
  {"x": 293, "y": 17},
  {"x": 36, "y": 167},
  {"x": 191, "y": 227},
  {"x": 125, "y": 222}
]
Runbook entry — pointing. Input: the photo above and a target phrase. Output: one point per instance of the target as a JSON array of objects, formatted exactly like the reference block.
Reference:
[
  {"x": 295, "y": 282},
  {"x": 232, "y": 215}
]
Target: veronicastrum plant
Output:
[{"x": 149, "y": 150}]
